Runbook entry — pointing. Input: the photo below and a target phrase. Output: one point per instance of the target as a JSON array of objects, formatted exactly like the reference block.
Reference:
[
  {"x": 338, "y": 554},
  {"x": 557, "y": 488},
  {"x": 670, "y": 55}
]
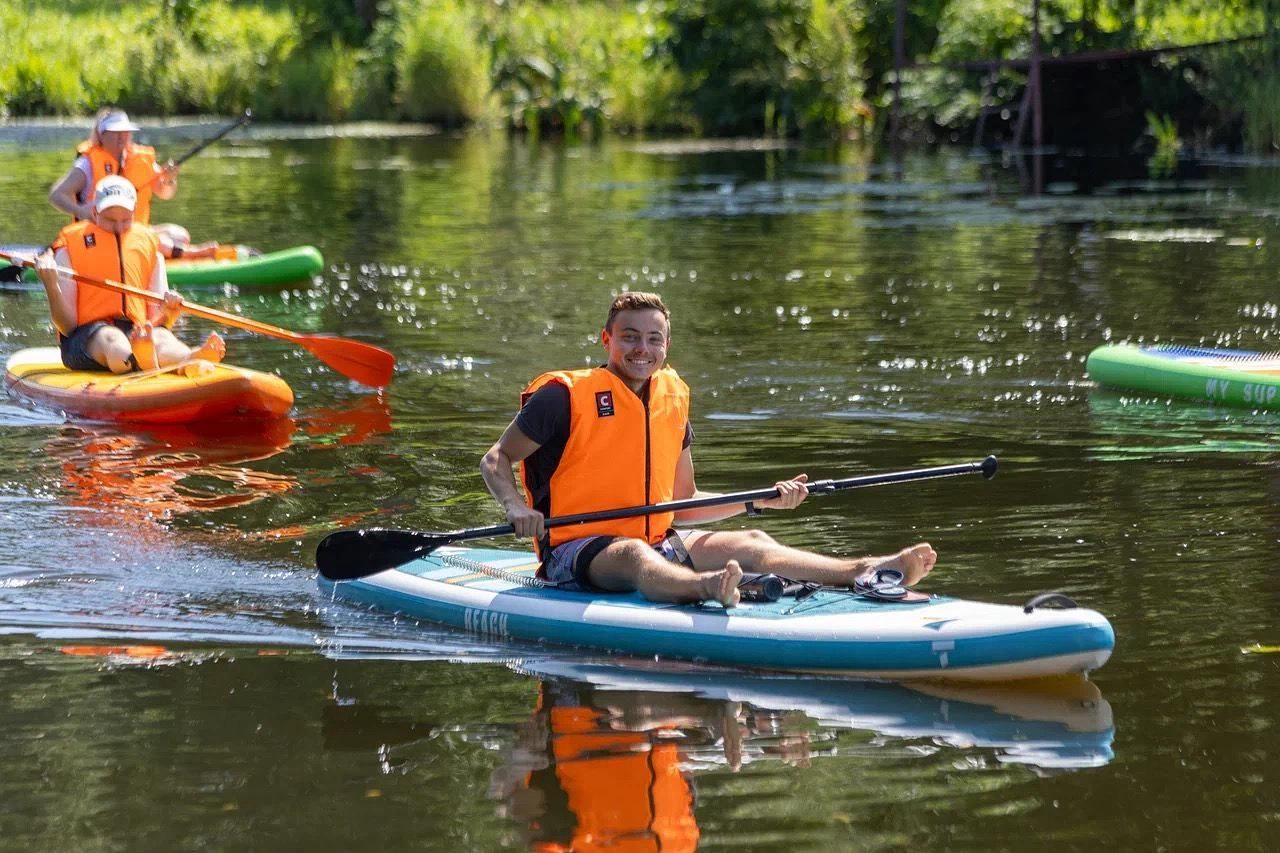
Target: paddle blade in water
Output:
[
  {"x": 350, "y": 554},
  {"x": 365, "y": 363}
]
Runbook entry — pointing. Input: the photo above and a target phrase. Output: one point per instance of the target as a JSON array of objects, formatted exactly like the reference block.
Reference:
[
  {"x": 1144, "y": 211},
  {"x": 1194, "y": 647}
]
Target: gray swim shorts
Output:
[{"x": 567, "y": 563}]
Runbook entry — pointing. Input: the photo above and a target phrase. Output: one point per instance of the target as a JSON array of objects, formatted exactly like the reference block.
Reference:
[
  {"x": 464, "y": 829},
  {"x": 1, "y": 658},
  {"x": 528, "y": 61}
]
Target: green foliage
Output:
[
  {"x": 793, "y": 67},
  {"x": 317, "y": 84},
  {"x": 441, "y": 68},
  {"x": 1262, "y": 113},
  {"x": 576, "y": 67},
  {"x": 770, "y": 66},
  {"x": 977, "y": 29},
  {"x": 375, "y": 82},
  {"x": 824, "y": 72},
  {"x": 1164, "y": 131},
  {"x": 44, "y": 72},
  {"x": 203, "y": 58},
  {"x": 733, "y": 68},
  {"x": 331, "y": 23}
]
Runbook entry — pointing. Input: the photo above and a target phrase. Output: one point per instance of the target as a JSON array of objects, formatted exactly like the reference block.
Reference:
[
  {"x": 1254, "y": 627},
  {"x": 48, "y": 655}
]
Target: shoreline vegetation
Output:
[{"x": 820, "y": 70}]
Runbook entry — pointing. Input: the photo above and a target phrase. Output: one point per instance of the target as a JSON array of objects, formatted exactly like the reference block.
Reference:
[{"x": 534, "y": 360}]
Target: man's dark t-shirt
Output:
[{"x": 545, "y": 419}]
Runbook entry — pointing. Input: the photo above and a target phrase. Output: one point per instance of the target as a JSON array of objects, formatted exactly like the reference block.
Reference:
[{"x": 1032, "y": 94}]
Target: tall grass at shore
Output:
[
  {"x": 784, "y": 67},
  {"x": 57, "y": 59}
]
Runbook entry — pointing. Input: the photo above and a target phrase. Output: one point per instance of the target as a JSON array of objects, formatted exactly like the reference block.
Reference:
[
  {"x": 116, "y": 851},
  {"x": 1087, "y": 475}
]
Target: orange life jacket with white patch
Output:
[
  {"x": 97, "y": 253},
  {"x": 621, "y": 452},
  {"x": 139, "y": 168}
]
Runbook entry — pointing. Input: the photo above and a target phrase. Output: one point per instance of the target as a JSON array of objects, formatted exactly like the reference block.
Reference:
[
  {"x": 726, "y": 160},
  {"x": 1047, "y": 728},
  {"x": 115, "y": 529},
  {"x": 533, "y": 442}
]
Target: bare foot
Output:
[
  {"x": 722, "y": 586},
  {"x": 144, "y": 347},
  {"x": 914, "y": 562},
  {"x": 213, "y": 349},
  {"x": 197, "y": 367}
]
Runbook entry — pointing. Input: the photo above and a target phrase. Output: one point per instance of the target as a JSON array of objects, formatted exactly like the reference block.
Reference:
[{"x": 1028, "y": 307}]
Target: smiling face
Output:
[{"x": 636, "y": 342}]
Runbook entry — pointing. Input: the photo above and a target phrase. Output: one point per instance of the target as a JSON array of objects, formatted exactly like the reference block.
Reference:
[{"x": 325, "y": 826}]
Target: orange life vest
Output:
[
  {"x": 139, "y": 168},
  {"x": 97, "y": 253},
  {"x": 625, "y": 789},
  {"x": 621, "y": 452}
]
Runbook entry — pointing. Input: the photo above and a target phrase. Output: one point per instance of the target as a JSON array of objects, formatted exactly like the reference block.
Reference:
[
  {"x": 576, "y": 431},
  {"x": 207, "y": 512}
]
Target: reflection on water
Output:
[
  {"x": 1132, "y": 427},
  {"x": 350, "y": 424},
  {"x": 160, "y": 473},
  {"x": 611, "y": 751},
  {"x": 1060, "y": 723}
]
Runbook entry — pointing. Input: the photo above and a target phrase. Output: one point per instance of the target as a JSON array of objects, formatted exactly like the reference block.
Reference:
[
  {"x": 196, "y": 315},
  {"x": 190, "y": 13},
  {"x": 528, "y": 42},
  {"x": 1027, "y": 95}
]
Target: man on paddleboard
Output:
[
  {"x": 99, "y": 329},
  {"x": 619, "y": 435},
  {"x": 110, "y": 150}
]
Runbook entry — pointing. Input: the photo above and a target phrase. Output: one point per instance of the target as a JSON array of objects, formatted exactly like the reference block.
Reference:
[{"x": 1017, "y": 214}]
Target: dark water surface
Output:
[{"x": 171, "y": 678}]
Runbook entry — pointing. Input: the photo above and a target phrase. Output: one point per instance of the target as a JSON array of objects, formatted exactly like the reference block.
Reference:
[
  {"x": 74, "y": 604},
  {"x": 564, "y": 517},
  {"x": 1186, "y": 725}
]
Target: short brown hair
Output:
[{"x": 636, "y": 300}]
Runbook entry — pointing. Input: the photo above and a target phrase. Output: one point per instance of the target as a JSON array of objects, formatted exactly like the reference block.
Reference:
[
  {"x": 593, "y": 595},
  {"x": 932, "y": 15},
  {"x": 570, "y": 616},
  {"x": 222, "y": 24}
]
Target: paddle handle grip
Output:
[{"x": 987, "y": 468}]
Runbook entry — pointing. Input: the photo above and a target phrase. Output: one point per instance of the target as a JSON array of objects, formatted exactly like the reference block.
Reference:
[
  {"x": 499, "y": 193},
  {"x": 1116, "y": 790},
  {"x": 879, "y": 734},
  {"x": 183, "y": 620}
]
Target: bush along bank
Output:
[{"x": 820, "y": 69}]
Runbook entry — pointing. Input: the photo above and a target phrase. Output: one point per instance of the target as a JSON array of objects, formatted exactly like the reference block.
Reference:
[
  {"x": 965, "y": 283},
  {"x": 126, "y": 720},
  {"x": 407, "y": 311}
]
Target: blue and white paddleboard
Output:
[{"x": 830, "y": 631}]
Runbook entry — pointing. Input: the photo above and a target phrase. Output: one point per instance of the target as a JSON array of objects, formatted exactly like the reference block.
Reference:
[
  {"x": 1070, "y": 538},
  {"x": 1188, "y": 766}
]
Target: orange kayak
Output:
[{"x": 214, "y": 393}]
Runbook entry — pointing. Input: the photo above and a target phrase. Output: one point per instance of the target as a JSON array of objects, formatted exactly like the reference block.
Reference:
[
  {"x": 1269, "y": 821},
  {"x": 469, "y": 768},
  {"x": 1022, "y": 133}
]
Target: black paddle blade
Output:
[{"x": 350, "y": 554}]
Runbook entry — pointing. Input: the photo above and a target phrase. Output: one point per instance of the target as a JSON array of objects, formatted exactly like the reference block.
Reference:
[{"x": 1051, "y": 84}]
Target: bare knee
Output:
[
  {"x": 622, "y": 565},
  {"x": 111, "y": 349},
  {"x": 632, "y": 551},
  {"x": 757, "y": 539},
  {"x": 175, "y": 234}
]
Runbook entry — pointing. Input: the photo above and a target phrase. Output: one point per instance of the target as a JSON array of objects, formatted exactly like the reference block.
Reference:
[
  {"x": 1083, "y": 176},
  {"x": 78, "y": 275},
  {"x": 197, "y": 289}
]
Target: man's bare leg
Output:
[
  {"x": 757, "y": 551},
  {"x": 169, "y": 350},
  {"x": 110, "y": 347},
  {"x": 630, "y": 564}
]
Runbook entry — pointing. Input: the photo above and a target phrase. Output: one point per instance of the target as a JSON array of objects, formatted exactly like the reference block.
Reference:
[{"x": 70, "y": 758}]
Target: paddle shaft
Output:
[
  {"x": 244, "y": 119},
  {"x": 356, "y": 360},
  {"x": 986, "y": 467},
  {"x": 187, "y": 308}
]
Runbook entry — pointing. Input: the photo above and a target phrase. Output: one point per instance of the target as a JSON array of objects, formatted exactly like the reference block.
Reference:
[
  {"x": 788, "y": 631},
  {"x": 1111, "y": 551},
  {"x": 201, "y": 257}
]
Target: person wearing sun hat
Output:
[
  {"x": 99, "y": 329},
  {"x": 110, "y": 150}
]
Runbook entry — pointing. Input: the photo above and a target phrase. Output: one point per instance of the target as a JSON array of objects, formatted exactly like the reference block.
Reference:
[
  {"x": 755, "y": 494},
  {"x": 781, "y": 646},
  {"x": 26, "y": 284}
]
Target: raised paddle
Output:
[
  {"x": 350, "y": 554},
  {"x": 365, "y": 363},
  {"x": 244, "y": 119}
]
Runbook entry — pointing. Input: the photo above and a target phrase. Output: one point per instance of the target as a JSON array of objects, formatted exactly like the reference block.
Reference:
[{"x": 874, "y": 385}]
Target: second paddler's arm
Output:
[
  {"x": 65, "y": 193},
  {"x": 497, "y": 467},
  {"x": 790, "y": 494}
]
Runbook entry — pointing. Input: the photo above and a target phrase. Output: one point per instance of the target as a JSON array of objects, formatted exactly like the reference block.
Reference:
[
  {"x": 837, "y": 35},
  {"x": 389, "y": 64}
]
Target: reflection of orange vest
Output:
[
  {"x": 139, "y": 168},
  {"x": 97, "y": 253},
  {"x": 621, "y": 452},
  {"x": 626, "y": 792}
]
